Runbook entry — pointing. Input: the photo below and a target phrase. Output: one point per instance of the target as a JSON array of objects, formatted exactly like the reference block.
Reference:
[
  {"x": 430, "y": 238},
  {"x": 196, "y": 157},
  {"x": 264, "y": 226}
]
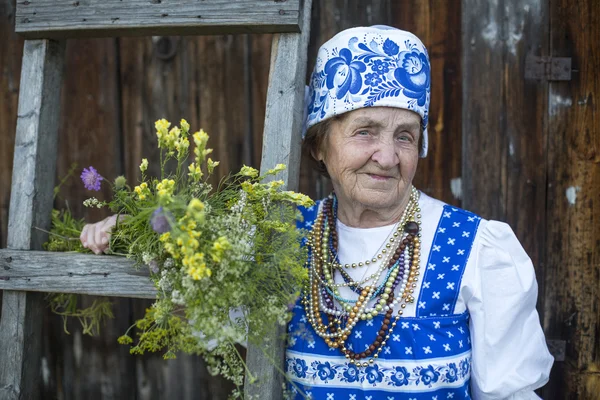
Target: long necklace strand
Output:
[{"x": 400, "y": 257}]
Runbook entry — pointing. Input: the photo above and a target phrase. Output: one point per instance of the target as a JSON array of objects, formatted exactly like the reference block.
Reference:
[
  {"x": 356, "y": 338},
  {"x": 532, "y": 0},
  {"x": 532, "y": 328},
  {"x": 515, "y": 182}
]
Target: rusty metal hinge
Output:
[{"x": 547, "y": 68}]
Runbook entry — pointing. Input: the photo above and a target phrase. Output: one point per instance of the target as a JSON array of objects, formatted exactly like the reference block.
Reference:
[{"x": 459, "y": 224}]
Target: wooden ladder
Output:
[{"x": 25, "y": 271}]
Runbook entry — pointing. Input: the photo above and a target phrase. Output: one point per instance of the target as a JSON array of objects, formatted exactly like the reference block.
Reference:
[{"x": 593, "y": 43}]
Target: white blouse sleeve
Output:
[{"x": 510, "y": 356}]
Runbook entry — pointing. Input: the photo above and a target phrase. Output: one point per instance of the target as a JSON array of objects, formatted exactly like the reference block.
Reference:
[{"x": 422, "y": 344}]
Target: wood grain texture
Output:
[
  {"x": 281, "y": 144},
  {"x": 573, "y": 201},
  {"x": 34, "y": 165},
  {"x": 11, "y": 53},
  {"x": 101, "y": 18},
  {"x": 42, "y": 271},
  {"x": 435, "y": 22},
  {"x": 483, "y": 109}
]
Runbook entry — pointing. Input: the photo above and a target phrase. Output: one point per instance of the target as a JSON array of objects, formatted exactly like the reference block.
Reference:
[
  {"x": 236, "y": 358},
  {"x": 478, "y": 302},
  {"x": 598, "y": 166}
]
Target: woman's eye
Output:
[{"x": 363, "y": 133}]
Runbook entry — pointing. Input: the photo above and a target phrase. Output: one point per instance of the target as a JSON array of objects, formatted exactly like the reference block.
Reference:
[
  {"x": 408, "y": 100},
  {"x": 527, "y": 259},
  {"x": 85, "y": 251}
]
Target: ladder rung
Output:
[
  {"x": 57, "y": 19},
  {"x": 59, "y": 272}
]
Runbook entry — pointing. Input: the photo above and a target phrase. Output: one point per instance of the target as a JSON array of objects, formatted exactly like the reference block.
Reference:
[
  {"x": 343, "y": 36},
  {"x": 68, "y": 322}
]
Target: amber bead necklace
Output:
[{"x": 401, "y": 262}]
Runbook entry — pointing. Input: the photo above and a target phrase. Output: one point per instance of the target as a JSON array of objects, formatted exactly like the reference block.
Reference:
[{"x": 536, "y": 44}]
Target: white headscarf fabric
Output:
[{"x": 377, "y": 66}]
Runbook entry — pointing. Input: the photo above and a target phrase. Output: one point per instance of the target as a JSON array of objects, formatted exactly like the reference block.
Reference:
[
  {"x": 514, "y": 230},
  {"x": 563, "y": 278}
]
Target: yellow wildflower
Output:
[
  {"x": 165, "y": 236},
  {"x": 137, "y": 189},
  {"x": 182, "y": 145},
  {"x": 142, "y": 197},
  {"x": 219, "y": 247},
  {"x": 211, "y": 165},
  {"x": 249, "y": 171},
  {"x": 144, "y": 185},
  {"x": 299, "y": 198},
  {"x": 247, "y": 187},
  {"x": 276, "y": 184},
  {"x": 162, "y": 125},
  {"x": 184, "y": 126},
  {"x": 144, "y": 165},
  {"x": 200, "y": 138},
  {"x": 278, "y": 168},
  {"x": 165, "y": 187},
  {"x": 174, "y": 133},
  {"x": 195, "y": 206},
  {"x": 195, "y": 172}
]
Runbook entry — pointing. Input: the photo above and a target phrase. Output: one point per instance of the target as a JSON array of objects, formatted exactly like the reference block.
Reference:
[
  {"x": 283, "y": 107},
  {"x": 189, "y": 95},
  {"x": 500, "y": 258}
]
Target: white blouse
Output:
[{"x": 509, "y": 352}]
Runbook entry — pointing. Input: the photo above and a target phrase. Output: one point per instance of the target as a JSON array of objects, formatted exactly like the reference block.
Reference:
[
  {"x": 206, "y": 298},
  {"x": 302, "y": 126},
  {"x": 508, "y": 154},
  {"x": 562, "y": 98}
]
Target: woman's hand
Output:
[{"x": 96, "y": 236}]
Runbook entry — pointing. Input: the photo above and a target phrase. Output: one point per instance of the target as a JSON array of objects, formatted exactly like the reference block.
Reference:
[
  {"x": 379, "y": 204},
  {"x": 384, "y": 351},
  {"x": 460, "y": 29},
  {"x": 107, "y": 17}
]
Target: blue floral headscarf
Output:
[{"x": 370, "y": 67}]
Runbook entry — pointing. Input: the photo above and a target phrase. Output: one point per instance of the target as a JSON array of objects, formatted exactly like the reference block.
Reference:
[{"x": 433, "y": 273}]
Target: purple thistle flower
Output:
[
  {"x": 160, "y": 220},
  {"x": 91, "y": 178}
]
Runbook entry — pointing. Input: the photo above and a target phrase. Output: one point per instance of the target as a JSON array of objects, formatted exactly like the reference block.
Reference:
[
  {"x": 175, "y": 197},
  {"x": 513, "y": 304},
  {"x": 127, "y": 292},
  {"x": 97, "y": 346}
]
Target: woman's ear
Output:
[{"x": 318, "y": 155}]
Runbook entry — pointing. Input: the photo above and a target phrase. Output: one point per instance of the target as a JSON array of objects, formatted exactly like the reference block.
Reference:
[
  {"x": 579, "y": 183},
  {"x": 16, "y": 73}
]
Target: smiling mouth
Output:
[{"x": 379, "y": 177}]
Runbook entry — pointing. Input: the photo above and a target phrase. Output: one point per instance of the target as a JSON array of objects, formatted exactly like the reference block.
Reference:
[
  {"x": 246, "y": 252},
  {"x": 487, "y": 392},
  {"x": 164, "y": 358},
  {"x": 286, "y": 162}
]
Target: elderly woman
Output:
[{"x": 408, "y": 298}]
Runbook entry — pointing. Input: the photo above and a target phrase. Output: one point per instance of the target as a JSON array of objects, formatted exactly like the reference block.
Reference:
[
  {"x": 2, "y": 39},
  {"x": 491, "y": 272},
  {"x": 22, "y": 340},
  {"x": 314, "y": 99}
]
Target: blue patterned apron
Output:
[{"x": 427, "y": 356}]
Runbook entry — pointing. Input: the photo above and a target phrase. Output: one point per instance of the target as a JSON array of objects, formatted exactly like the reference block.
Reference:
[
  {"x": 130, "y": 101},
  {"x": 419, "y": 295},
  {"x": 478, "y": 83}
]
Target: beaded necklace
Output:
[{"x": 400, "y": 257}]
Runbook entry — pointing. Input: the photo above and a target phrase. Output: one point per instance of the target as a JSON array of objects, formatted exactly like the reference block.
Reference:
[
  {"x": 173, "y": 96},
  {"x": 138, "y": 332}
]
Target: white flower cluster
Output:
[{"x": 93, "y": 202}]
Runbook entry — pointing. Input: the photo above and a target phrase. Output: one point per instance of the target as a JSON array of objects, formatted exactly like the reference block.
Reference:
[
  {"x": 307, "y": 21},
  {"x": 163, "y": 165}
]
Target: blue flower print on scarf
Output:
[
  {"x": 413, "y": 75},
  {"x": 373, "y": 374},
  {"x": 372, "y": 79},
  {"x": 452, "y": 373},
  {"x": 464, "y": 367},
  {"x": 325, "y": 371},
  {"x": 400, "y": 376},
  {"x": 429, "y": 375},
  {"x": 351, "y": 373},
  {"x": 380, "y": 67},
  {"x": 300, "y": 368},
  {"x": 390, "y": 47},
  {"x": 344, "y": 73}
]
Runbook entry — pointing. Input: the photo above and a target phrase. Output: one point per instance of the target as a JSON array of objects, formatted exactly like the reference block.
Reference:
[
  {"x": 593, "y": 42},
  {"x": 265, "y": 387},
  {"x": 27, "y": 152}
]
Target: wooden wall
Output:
[
  {"x": 531, "y": 157},
  {"x": 504, "y": 147}
]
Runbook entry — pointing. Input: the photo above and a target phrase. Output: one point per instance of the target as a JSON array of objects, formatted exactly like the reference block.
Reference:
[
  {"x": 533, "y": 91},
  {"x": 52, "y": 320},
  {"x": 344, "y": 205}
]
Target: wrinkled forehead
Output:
[{"x": 389, "y": 118}]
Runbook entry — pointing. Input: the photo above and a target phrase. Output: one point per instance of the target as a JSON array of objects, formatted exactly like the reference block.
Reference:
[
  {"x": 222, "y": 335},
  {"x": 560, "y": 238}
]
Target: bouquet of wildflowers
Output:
[{"x": 222, "y": 259}]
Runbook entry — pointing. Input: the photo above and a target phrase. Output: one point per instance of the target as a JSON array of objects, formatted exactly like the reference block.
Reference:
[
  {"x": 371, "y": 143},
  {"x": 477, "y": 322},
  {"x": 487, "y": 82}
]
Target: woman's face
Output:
[{"x": 371, "y": 155}]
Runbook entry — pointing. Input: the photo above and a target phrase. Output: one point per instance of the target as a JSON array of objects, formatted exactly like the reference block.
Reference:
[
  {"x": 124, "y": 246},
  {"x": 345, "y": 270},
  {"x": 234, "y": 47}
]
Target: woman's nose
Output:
[{"x": 385, "y": 155}]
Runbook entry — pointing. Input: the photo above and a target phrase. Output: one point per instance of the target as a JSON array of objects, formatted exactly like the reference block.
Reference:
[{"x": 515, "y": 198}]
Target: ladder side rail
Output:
[
  {"x": 34, "y": 168},
  {"x": 281, "y": 144}
]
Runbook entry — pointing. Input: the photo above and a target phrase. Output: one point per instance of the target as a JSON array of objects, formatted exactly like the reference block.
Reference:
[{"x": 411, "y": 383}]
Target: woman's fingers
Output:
[
  {"x": 96, "y": 236},
  {"x": 91, "y": 238},
  {"x": 83, "y": 236},
  {"x": 100, "y": 238}
]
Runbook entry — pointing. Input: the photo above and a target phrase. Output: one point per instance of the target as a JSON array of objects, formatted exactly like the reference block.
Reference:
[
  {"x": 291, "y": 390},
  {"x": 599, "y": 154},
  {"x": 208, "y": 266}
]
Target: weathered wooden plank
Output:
[
  {"x": 260, "y": 57},
  {"x": 101, "y": 18},
  {"x": 285, "y": 100},
  {"x": 11, "y": 53},
  {"x": 573, "y": 201},
  {"x": 42, "y": 271},
  {"x": 30, "y": 204},
  {"x": 436, "y": 22},
  {"x": 483, "y": 109},
  {"x": 281, "y": 144}
]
